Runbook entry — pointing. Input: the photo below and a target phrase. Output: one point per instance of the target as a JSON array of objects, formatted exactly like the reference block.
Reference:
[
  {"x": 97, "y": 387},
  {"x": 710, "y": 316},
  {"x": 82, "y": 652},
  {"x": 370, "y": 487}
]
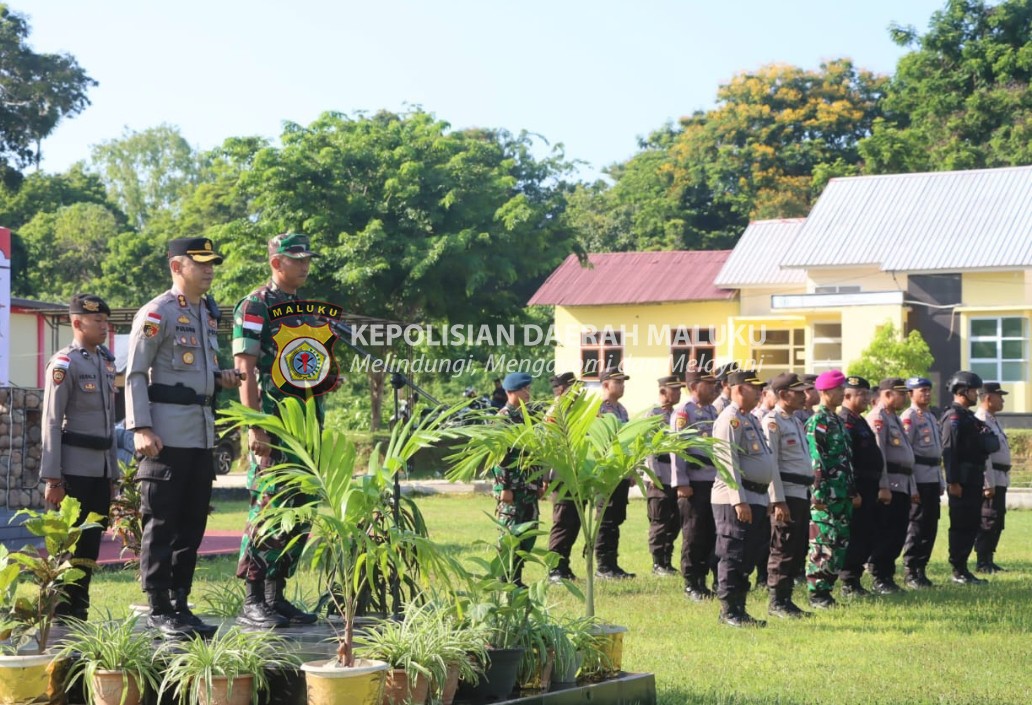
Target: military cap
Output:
[
  {"x": 789, "y": 382},
  {"x": 918, "y": 382},
  {"x": 810, "y": 379},
  {"x": 199, "y": 249},
  {"x": 295, "y": 245},
  {"x": 829, "y": 380},
  {"x": 563, "y": 380},
  {"x": 614, "y": 374},
  {"x": 722, "y": 371},
  {"x": 515, "y": 381},
  {"x": 670, "y": 381},
  {"x": 856, "y": 382},
  {"x": 993, "y": 388},
  {"x": 744, "y": 377},
  {"x": 700, "y": 376},
  {"x": 895, "y": 384},
  {"x": 88, "y": 303}
]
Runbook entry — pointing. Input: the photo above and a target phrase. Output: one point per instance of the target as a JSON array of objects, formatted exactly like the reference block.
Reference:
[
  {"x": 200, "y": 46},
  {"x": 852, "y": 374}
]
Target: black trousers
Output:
[
  {"x": 738, "y": 545},
  {"x": 993, "y": 512},
  {"x": 566, "y": 527},
  {"x": 965, "y": 518},
  {"x": 698, "y": 532},
  {"x": 862, "y": 529},
  {"x": 664, "y": 521},
  {"x": 923, "y": 527},
  {"x": 607, "y": 542},
  {"x": 891, "y": 534},
  {"x": 94, "y": 494},
  {"x": 176, "y": 492},
  {"x": 788, "y": 545}
]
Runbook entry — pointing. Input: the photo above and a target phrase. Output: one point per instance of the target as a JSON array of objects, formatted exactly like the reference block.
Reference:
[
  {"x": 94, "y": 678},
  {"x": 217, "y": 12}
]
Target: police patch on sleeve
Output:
[{"x": 152, "y": 324}]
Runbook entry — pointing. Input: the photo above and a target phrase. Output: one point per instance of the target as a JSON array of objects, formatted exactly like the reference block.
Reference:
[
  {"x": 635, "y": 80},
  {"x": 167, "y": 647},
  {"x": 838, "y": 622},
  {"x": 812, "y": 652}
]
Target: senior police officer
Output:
[
  {"x": 966, "y": 445},
  {"x": 665, "y": 501},
  {"x": 516, "y": 489},
  {"x": 565, "y": 520},
  {"x": 607, "y": 542},
  {"x": 922, "y": 429},
  {"x": 699, "y": 531},
  {"x": 79, "y": 456},
  {"x": 786, "y": 436},
  {"x": 172, "y": 374},
  {"x": 898, "y": 477},
  {"x": 834, "y": 494},
  {"x": 741, "y": 514},
  {"x": 267, "y": 562},
  {"x": 868, "y": 464},
  {"x": 997, "y": 479}
]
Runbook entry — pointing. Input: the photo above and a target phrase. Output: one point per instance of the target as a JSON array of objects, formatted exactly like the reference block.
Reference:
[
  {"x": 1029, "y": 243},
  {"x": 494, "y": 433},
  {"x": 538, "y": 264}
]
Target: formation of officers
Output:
[{"x": 832, "y": 478}]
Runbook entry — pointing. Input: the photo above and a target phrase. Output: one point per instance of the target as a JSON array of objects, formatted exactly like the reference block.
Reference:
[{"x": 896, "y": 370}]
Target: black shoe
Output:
[
  {"x": 698, "y": 592},
  {"x": 916, "y": 580},
  {"x": 964, "y": 577},
  {"x": 799, "y": 580},
  {"x": 885, "y": 587},
  {"x": 171, "y": 625},
  {"x": 664, "y": 571},
  {"x": 293, "y": 614},
  {"x": 261, "y": 616},
  {"x": 822, "y": 600},
  {"x": 997, "y": 568},
  {"x": 557, "y": 576},
  {"x": 853, "y": 588},
  {"x": 613, "y": 573},
  {"x": 740, "y": 618},
  {"x": 786, "y": 609},
  {"x": 181, "y": 605}
]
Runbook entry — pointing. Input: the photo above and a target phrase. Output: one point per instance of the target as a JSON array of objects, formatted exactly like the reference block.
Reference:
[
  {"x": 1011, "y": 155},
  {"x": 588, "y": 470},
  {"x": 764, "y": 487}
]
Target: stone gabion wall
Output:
[{"x": 20, "y": 447}]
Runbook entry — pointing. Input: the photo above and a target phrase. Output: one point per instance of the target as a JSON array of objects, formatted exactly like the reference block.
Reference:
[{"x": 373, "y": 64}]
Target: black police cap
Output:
[{"x": 88, "y": 303}]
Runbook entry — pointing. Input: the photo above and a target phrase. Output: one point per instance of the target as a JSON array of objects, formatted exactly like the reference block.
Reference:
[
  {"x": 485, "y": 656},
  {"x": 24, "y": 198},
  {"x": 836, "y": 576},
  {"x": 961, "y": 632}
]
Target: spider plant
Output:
[{"x": 110, "y": 645}]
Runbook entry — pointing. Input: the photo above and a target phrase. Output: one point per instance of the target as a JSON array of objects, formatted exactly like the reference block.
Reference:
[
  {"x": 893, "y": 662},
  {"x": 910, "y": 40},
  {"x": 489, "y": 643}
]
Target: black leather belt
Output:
[
  {"x": 757, "y": 487},
  {"x": 176, "y": 394},
  {"x": 84, "y": 440},
  {"x": 931, "y": 462},
  {"x": 1002, "y": 467},
  {"x": 897, "y": 469},
  {"x": 797, "y": 479}
]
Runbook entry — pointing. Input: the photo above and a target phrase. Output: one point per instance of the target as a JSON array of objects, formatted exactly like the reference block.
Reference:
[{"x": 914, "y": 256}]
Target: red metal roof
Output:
[{"x": 635, "y": 278}]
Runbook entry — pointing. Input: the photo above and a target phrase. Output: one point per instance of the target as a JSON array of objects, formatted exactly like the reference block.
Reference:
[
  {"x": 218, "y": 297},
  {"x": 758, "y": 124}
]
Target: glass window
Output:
[
  {"x": 998, "y": 348},
  {"x": 690, "y": 350},
  {"x": 600, "y": 351}
]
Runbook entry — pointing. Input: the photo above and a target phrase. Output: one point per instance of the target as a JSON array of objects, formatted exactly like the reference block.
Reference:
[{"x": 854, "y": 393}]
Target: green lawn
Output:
[{"x": 950, "y": 645}]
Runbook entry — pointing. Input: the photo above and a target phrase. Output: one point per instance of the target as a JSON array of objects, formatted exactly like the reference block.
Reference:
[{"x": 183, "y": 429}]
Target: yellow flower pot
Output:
[
  {"x": 32, "y": 678},
  {"x": 330, "y": 684}
]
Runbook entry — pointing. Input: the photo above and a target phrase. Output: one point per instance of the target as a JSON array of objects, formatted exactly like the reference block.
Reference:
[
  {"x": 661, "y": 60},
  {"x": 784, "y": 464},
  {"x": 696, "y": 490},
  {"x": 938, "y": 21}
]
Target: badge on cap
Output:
[
  {"x": 90, "y": 305},
  {"x": 188, "y": 357}
]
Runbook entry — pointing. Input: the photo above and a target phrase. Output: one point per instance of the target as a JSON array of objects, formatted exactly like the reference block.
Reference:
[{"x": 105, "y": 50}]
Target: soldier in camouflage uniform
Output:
[
  {"x": 832, "y": 499},
  {"x": 515, "y": 488},
  {"x": 266, "y": 566}
]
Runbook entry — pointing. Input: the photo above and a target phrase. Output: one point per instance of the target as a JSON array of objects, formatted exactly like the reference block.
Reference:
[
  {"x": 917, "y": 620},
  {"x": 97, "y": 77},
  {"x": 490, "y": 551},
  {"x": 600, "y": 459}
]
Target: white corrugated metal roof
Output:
[
  {"x": 950, "y": 220},
  {"x": 755, "y": 261}
]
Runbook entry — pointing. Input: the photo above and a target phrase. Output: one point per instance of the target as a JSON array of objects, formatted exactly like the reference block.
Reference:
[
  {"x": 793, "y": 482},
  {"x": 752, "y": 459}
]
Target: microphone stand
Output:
[{"x": 398, "y": 381}]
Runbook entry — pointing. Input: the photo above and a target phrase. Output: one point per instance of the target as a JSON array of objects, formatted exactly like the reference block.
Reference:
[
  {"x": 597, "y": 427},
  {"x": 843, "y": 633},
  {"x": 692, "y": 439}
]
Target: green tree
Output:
[
  {"x": 67, "y": 249},
  {"x": 416, "y": 222},
  {"x": 36, "y": 92},
  {"x": 890, "y": 354},
  {"x": 961, "y": 98},
  {"x": 775, "y": 138},
  {"x": 147, "y": 172}
]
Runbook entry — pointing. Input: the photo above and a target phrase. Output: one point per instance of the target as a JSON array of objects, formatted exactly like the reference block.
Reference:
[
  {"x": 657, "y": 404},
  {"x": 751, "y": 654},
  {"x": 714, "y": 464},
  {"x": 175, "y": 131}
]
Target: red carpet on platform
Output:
[{"x": 215, "y": 543}]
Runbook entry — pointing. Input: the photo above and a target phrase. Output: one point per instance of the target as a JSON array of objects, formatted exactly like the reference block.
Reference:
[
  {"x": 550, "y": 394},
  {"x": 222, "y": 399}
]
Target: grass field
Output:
[{"x": 949, "y": 645}]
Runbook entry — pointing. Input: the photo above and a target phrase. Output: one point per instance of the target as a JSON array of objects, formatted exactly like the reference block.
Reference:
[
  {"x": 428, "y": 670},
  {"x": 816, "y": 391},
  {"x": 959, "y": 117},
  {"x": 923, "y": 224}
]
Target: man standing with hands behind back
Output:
[{"x": 172, "y": 375}]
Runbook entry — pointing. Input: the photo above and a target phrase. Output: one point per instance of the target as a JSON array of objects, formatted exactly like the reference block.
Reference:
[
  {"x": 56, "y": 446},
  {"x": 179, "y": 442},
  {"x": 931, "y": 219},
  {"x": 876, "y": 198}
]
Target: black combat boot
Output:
[
  {"x": 745, "y": 619},
  {"x": 181, "y": 604},
  {"x": 255, "y": 612},
  {"x": 886, "y": 586},
  {"x": 781, "y": 604},
  {"x": 695, "y": 589},
  {"x": 916, "y": 579},
  {"x": 963, "y": 576},
  {"x": 661, "y": 565},
  {"x": 164, "y": 617},
  {"x": 853, "y": 588},
  {"x": 822, "y": 600},
  {"x": 274, "y": 598}
]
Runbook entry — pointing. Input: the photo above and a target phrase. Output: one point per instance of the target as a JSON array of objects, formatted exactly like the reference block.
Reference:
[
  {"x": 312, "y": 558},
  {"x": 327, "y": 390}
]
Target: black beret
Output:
[
  {"x": 855, "y": 382},
  {"x": 88, "y": 303}
]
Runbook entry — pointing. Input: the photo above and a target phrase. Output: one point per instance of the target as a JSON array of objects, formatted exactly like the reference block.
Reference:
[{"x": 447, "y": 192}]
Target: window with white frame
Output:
[
  {"x": 827, "y": 346},
  {"x": 780, "y": 351},
  {"x": 691, "y": 350},
  {"x": 600, "y": 351},
  {"x": 998, "y": 348}
]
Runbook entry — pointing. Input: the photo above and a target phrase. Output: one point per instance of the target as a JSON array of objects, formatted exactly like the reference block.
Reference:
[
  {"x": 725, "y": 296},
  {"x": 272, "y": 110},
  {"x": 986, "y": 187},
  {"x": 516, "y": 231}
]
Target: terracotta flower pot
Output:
[
  {"x": 222, "y": 695},
  {"x": 398, "y": 690},
  {"x": 108, "y": 687},
  {"x": 451, "y": 684}
]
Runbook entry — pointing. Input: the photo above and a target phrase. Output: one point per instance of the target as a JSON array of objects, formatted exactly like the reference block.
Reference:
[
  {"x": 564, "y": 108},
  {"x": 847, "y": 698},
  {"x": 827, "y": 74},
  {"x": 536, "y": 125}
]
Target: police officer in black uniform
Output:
[
  {"x": 566, "y": 523},
  {"x": 867, "y": 471},
  {"x": 966, "y": 444}
]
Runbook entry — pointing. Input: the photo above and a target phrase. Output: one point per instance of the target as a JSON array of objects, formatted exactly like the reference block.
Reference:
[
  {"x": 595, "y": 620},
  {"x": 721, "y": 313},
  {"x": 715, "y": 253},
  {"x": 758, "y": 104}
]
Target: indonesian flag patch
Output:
[
  {"x": 152, "y": 324},
  {"x": 59, "y": 367},
  {"x": 253, "y": 323}
]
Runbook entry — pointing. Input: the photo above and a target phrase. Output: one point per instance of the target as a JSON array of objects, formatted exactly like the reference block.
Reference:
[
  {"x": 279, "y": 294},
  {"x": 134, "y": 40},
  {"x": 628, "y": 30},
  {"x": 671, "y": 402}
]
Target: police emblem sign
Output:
[{"x": 304, "y": 364}]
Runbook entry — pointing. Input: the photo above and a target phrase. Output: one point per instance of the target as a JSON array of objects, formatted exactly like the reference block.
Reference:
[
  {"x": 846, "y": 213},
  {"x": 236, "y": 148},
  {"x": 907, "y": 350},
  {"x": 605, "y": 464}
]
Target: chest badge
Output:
[
  {"x": 188, "y": 357},
  {"x": 183, "y": 319}
]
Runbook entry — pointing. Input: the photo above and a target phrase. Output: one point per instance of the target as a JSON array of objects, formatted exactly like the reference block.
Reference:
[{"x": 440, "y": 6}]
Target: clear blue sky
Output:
[{"x": 592, "y": 75}]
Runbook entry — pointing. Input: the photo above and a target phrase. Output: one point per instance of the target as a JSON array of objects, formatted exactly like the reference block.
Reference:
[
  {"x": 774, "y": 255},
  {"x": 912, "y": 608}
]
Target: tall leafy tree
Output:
[
  {"x": 36, "y": 92},
  {"x": 961, "y": 98},
  {"x": 416, "y": 222}
]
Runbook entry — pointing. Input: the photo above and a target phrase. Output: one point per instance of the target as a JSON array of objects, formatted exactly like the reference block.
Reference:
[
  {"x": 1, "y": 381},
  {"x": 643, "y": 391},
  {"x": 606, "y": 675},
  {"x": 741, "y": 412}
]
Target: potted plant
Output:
[
  {"x": 589, "y": 455},
  {"x": 464, "y": 652},
  {"x": 412, "y": 647},
  {"x": 589, "y": 656},
  {"x": 320, "y": 489},
  {"x": 115, "y": 661},
  {"x": 27, "y": 670},
  {"x": 230, "y": 668}
]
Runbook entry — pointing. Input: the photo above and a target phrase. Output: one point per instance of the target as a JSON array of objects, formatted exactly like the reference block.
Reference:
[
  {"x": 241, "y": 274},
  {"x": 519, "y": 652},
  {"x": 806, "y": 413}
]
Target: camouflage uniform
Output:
[
  {"x": 253, "y": 331},
  {"x": 833, "y": 487},
  {"x": 510, "y": 476}
]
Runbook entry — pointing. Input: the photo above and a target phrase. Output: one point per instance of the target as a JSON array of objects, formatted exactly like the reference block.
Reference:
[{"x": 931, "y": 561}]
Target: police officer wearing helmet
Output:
[{"x": 966, "y": 445}]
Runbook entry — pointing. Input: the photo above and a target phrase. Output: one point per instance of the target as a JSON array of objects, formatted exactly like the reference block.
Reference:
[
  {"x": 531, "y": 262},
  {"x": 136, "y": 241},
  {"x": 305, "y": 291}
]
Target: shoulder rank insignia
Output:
[{"x": 182, "y": 301}]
